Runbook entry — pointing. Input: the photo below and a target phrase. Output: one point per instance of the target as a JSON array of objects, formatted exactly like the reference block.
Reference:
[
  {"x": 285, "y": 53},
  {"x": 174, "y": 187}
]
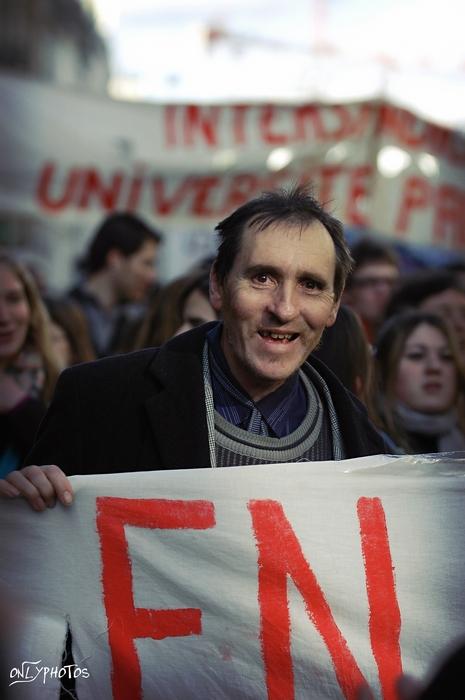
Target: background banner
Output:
[
  {"x": 278, "y": 582},
  {"x": 69, "y": 158}
]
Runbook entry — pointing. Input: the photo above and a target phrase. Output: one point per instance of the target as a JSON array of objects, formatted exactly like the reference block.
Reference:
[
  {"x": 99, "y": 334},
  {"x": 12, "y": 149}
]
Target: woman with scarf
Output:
[
  {"x": 420, "y": 385},
  {"x": 28, "y": 368}
]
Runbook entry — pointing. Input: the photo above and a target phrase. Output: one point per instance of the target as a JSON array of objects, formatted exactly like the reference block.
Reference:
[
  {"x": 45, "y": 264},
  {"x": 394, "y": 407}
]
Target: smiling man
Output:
[
  {"x": 241, "y": 391},
  {"x": 119, "y": 271},
  {"x": 275, "y": 301}
]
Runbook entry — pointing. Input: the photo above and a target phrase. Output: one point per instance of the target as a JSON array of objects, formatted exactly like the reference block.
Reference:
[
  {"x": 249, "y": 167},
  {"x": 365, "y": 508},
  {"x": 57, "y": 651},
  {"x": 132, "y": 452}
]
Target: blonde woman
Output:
[
  {"x": 420, "y": 384},
  {"x": 28, "y": 370}
]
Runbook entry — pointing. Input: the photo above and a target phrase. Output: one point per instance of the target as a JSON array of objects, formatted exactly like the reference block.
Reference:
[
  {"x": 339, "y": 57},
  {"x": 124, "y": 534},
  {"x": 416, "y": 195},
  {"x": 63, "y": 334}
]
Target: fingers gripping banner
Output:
[{"x": 278, "y": 582}]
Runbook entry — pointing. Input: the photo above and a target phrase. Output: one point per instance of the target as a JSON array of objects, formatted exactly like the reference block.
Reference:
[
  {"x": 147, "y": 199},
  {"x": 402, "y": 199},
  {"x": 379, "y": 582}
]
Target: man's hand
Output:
[{"x": 40, "y": 486}]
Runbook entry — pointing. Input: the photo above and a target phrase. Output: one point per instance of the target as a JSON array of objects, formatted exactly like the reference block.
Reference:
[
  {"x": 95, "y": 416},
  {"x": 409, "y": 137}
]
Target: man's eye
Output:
[
  {"x": 312, "y": 285},
  {"x": 261, "y": 278}
]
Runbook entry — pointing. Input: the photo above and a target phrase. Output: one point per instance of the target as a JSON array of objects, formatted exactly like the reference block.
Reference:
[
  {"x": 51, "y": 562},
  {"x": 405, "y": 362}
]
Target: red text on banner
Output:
[
  {"x": 279, "y": 556},
  {"x": 126, "y": 622}
]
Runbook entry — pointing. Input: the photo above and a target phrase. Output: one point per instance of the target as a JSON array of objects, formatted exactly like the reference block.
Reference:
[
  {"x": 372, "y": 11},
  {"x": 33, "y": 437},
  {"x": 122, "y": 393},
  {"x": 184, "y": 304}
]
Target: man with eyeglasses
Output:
[{"x": 371, "y": 284}]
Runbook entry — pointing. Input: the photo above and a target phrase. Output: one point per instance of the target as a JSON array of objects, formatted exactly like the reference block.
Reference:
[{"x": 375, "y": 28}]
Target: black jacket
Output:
[{"x": 146, "y": 410}]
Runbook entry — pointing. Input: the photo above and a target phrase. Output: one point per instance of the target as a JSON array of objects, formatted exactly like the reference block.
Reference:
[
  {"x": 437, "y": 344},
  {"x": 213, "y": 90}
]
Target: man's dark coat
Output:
[{"x": 146, "y": 410}]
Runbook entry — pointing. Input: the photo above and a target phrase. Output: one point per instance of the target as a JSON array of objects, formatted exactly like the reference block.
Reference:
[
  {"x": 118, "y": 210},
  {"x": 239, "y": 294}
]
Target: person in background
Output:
[
  {"x": 457, "y": 268},
  {"x": 28, "y": 369},
  {"x": 441, "y": 292},
  {"x": 195, "y": 306},
  {"x": 69, "y": 332},
  {"x": 244, "y": 390},
  {"x": 371, "y": 284},
  {"x": 119, "y": 270},
  {"x": 419, "y": 384},
  {"x": 345, "y": 350},
  {"x": 182, "y": 304}
]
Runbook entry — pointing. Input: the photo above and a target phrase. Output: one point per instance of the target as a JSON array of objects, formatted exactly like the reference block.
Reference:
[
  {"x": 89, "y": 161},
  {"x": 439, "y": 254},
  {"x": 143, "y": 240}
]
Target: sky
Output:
[{"x": 227, "y": 50}]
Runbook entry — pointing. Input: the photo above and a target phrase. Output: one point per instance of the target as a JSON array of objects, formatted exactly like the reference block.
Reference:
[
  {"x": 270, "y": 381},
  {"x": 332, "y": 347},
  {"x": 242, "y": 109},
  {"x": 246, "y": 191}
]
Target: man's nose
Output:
[{"x": 283, "y": 303}]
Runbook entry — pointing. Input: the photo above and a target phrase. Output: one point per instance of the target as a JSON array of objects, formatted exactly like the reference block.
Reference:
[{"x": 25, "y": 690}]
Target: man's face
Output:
[
  {"x": 275, "y": 303},
  {"x": 371, "y": 289},
  {"x": 135, "y": 274}
]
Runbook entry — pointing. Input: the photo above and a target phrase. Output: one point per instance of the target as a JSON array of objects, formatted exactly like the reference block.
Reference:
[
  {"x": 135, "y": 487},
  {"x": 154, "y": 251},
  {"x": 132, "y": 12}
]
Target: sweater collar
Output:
[{"x": 279, "y": 413}]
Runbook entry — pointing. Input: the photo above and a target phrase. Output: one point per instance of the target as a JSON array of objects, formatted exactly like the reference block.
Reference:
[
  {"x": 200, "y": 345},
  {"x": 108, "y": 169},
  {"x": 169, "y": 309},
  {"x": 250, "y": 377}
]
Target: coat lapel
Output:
[{"x": 176, "y": 410}]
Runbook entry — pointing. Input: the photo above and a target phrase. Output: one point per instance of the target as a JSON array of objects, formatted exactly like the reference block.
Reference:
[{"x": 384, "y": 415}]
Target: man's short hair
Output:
[
  {"x": 420, "y": 286},
  {"x": 297, "y": 207},
  {"x": 120, "y": 231},
  {"x": 366, "y": 251}
]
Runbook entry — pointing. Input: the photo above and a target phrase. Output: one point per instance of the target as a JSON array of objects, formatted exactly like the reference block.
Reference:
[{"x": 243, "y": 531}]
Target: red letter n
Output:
[
  {"x": 126, "y": 622},
  {"x": 385, "y": 620},
  {"x": 279, "y": 556}
]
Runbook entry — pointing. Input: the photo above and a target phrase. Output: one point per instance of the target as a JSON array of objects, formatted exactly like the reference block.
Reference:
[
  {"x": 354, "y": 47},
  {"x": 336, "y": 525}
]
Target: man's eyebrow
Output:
[
  {"x": 276, "y": 272},
  {"x": 262, "y": 268}
]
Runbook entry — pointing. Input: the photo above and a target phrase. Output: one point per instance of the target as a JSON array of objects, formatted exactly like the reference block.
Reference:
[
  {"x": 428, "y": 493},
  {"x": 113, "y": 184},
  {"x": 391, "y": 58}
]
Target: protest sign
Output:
[
  {"x": 279, "y": 582},
  {"x": 70, "y": 158}
]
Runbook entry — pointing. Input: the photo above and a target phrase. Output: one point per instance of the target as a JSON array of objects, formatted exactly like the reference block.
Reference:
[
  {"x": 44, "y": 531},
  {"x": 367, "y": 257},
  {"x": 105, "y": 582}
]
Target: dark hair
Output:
[
  {"x": 123, "y": 232},
  {"x": 165, "y": 314},
  {"x": 345, "y": 350},
  {"x": 199, "y": 282},
  {"x": 296, "y": 206},
  {"x": 72, "y": 320},
  {"x": 419, "y": 287},
  {"x": 455, "y": 266},
  {"x": 389, "y": 347},
  {"x": 366, "y": 252}
]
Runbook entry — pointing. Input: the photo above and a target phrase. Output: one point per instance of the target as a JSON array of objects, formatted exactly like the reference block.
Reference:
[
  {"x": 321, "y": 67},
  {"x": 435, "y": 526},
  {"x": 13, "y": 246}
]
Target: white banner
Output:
[
  {"x": 274, "y": 582},
  {"x": 71, "y": 157}
]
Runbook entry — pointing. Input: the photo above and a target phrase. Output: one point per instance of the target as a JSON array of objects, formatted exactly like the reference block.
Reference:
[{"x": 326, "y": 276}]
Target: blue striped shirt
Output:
[{"x": 276, "y": 415}]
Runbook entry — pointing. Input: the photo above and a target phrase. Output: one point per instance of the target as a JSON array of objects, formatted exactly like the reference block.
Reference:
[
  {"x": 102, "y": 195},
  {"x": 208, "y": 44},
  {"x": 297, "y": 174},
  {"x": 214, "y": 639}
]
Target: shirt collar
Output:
[{"x": 283, "y": 410}]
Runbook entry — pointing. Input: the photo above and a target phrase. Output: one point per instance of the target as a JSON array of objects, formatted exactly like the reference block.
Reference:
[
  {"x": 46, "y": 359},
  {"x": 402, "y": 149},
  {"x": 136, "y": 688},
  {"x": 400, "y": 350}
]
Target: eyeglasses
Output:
[{"x": 374, "y": 282}]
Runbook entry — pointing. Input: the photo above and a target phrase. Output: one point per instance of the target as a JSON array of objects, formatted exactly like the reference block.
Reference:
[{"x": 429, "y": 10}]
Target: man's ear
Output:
[
  {"x": 333, "y": 314},
  {"x": 216, "y": 290}
]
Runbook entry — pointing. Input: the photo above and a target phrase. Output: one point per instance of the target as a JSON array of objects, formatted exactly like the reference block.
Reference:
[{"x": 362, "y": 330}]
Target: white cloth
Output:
[{"x": 371, "y": 549}]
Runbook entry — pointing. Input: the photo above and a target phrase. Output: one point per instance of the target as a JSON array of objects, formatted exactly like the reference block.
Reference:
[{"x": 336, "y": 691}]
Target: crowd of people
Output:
[
  {"x": 397, "y": 343},
  {"x": 287, "y": 346}
]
